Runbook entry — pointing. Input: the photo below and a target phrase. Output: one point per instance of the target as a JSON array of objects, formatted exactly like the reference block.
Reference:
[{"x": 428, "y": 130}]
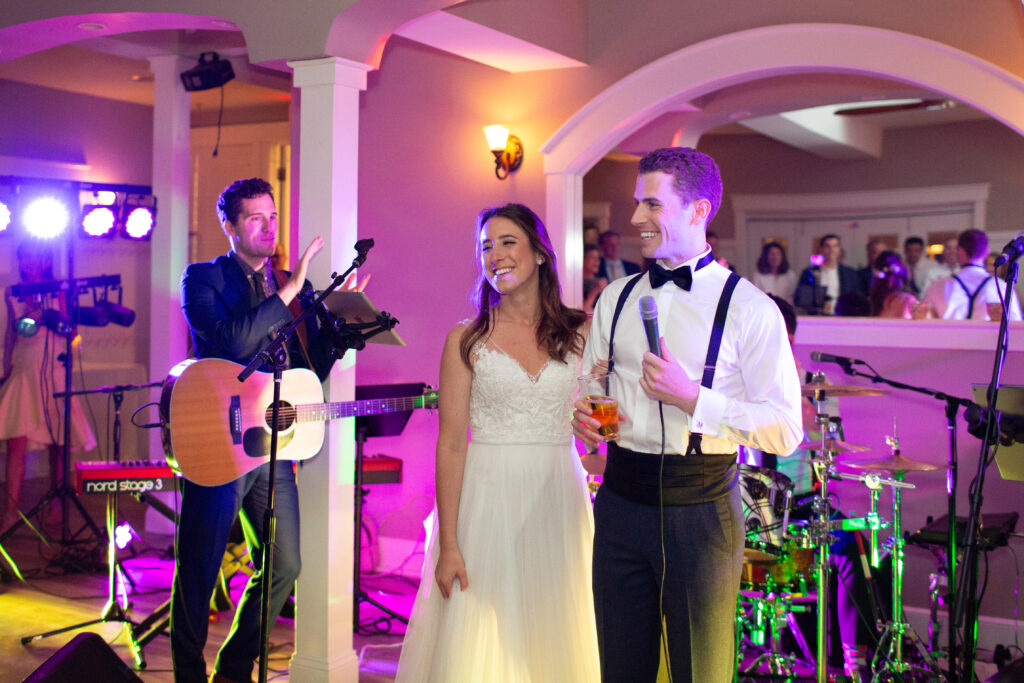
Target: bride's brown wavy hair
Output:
[{"x": 558, "y": 331}]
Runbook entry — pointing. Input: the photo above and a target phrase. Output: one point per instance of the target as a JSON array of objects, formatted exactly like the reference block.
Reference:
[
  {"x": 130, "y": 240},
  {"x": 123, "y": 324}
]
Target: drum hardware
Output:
[
  {"x": 957, "y": 606},
  {"x": 937, "y": 588},
  {"x": 819, "y": 531},
  {"x": 872, "y": 522},
  {"x": 889, "y": 658},
  {"x": 821, "y": 527},
  {"x": 773, "y": 606},
  {"x": 771, "y": 612}
]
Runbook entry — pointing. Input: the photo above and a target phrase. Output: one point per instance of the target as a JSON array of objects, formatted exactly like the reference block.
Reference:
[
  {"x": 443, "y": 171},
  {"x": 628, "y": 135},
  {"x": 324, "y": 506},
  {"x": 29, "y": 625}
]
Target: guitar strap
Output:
[{"x": 280, "y": 278}]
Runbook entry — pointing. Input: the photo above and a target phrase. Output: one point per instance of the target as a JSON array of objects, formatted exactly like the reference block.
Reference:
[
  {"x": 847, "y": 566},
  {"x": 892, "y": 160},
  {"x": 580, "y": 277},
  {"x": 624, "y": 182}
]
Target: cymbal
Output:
[
  {"x": 833, "y": 446},
  {"x": 894, "y": 463},
  {"x": 840, "y": 390}
]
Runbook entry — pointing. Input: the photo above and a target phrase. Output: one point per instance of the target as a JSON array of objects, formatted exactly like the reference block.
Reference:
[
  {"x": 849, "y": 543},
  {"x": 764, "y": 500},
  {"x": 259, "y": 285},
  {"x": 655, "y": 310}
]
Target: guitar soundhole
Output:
[{"x": 285, "y": 418}]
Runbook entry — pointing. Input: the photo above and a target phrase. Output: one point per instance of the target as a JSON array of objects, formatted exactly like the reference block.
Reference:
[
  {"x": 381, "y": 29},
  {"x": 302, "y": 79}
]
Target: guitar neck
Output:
[{"x": 319, "y": 412}]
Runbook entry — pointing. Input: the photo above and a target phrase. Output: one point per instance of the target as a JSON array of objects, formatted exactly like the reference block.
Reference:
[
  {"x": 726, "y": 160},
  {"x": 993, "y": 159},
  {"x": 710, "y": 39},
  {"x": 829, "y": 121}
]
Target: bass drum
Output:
[{"x": 766, "y": 496}]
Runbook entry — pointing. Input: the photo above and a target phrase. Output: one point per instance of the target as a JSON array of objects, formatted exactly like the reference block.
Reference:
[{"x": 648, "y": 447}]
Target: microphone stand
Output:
[
  {"x": 274, "y": 354},
  {"x": 966, "y": 605},
  {"x": 953, "y": 404}
]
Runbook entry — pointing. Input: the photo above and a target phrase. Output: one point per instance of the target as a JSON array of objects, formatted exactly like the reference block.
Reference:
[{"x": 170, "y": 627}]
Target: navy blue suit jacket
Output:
[
  {"x": 630, "y": 268},
  {"x": 228, "y": 321}
]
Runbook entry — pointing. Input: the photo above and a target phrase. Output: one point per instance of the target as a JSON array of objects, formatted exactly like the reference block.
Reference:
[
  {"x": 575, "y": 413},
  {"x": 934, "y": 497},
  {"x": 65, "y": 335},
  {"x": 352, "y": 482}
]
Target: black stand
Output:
[
  {"x": 62, "y": 490},
  {"x": 113, "y": 610},
  {"x": 390, "y": 424},
  {"x": 953, "y": 405},
  {"x": 967, "y": 604},
  {"x": 275, "y": 355}
]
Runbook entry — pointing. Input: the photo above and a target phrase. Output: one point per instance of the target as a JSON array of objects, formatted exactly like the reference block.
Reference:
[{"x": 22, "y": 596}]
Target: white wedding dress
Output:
[{"x": 525, "y": 529}]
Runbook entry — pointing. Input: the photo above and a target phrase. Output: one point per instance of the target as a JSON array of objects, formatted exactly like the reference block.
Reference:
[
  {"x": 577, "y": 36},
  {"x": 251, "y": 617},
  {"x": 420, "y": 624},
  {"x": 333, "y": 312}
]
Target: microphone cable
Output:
[{"x": 662, "y": 625}]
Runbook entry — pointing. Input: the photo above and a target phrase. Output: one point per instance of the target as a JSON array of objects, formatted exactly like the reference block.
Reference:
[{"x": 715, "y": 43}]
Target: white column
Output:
[
  {"x": 169, "y": 246},
  {"x": 564, "y": 221},
  {"x": 327, "y": 198}
]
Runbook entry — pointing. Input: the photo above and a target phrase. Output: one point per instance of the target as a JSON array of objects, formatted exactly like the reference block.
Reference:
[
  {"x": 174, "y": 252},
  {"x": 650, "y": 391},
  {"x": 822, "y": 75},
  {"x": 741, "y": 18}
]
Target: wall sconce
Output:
[{"x": 507, "y": 150}]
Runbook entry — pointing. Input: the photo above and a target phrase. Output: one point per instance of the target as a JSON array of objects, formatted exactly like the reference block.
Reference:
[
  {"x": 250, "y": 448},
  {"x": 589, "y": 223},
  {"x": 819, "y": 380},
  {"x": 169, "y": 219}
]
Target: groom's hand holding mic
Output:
[{"x": 662, "y": 378}]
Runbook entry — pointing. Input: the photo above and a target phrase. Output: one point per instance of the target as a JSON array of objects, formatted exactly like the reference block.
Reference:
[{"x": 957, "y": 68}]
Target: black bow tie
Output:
[{"x": 681, "y": 276}]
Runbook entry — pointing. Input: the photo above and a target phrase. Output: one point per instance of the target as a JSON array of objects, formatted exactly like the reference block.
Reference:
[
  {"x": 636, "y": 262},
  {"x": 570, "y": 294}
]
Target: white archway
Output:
[{"x": 675, "y": 79}]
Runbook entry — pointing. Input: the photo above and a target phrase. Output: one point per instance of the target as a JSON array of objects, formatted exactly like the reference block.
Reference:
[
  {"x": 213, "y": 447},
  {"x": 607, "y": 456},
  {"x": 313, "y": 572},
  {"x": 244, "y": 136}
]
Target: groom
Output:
[{"x": 668, "y": 542}]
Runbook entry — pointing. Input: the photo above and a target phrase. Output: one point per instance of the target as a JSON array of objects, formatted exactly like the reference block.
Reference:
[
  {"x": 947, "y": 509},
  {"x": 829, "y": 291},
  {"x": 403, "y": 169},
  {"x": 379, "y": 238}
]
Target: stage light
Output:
[
  {"x": 92, "y": 316},
  {"x": 8, "y": 197},
  {"x": 5, "y": 217},
  {"x": 139, "y": 217},
  {"x": 26, "y": 326},
  {"x": 116, "y": 312},
  {"x": 139, "y": 224},
  {"x": 123, "y": 533},
  {"x": 46, "y": 217},
  {"x": 98, "y": 221}
]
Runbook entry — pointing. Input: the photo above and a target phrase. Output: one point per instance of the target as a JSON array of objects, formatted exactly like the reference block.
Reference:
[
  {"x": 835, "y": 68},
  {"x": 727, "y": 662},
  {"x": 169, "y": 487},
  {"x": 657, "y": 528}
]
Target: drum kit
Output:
[{"x": 788, "y": 562}]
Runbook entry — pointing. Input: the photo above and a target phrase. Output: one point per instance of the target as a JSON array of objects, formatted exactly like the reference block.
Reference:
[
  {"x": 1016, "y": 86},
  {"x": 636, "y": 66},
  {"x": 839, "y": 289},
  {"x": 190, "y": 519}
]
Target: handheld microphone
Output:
[
  {"x": 1013, "y": 250},
  {"x": 649, "y": 315},
  {"x": 819, "y": 357}
]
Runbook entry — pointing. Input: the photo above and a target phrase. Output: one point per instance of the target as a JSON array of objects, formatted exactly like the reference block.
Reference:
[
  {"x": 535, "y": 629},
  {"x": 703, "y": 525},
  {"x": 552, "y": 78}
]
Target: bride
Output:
[{"x": 505, "y": 593}]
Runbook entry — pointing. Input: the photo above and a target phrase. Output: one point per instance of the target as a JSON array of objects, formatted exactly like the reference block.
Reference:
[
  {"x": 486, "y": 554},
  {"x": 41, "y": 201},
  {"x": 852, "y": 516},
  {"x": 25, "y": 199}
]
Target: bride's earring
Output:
[{"x": 540, "y": 260}]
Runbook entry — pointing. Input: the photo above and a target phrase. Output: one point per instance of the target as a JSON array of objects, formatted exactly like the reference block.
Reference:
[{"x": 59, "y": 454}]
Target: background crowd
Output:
[{"x": 959, "y": 283}]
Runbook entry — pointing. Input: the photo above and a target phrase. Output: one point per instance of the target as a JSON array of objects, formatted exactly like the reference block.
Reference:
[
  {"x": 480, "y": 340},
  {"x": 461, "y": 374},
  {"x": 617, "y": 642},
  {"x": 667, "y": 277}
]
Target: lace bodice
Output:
[{"x": 507, "y": 405}]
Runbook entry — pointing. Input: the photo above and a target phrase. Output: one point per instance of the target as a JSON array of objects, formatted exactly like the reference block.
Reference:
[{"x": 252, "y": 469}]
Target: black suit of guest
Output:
[
  {"x": 865, "y": 276},
  {"x": 231, "y": 317},
  {"x": 849, "y": 281},
  {"x": 630, "y": 268}
]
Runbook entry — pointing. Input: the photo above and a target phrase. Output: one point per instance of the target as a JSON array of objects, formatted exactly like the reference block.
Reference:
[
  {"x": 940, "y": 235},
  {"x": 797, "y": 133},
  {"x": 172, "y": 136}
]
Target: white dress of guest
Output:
[{"x": 782, "y": 286}]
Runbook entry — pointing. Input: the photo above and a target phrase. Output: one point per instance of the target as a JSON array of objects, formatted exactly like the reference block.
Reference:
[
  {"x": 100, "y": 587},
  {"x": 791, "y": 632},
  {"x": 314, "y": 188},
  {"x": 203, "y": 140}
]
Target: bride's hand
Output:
[{"x": 450, "y": 566}]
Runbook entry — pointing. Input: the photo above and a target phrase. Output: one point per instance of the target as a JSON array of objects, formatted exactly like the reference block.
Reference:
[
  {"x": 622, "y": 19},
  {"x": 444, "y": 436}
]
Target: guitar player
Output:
[{"x": 234, "y": 305}]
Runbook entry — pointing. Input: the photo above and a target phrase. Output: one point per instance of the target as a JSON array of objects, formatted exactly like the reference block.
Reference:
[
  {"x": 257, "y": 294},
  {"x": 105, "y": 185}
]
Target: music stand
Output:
[{"x": 386, "y": 424}]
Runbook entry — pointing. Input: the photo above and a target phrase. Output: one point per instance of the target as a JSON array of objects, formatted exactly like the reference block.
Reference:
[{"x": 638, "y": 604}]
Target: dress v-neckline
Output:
[{"x": 534, "y": 378}]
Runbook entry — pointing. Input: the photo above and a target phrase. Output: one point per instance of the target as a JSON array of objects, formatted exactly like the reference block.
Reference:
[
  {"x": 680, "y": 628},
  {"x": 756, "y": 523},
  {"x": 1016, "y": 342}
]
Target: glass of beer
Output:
[{"x": 594, "y": 390}]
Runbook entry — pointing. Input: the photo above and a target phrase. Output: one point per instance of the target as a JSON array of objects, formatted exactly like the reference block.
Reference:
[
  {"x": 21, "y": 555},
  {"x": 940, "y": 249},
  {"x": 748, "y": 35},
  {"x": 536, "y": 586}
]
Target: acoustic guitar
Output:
[{"x": 215, "y": 428}]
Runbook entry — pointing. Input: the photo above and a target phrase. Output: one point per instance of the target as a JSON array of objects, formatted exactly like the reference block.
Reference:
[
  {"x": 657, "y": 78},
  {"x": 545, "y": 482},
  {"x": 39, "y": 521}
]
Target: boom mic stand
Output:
[
  {"x": 953, "y": 404},
  {"x": 275, "y": 355},
  {"x": 967, "y": 604}
]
